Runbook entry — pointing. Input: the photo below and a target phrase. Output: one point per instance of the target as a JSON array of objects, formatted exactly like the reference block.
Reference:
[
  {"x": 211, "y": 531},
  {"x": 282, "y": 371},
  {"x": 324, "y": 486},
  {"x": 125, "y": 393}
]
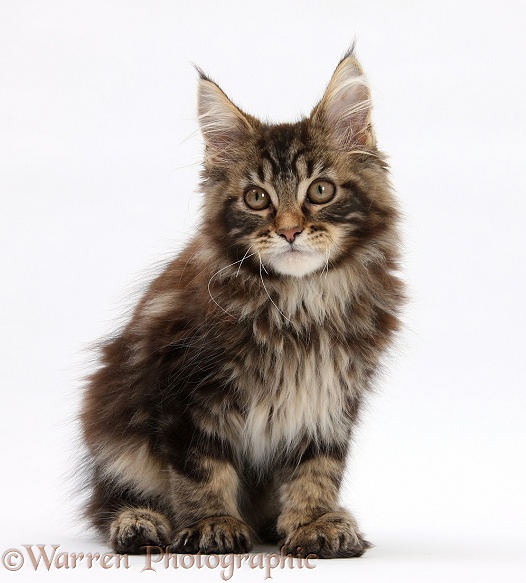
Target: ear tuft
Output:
[
  {"x": 222, "y": 124},
  {"x": 345, "y": 109},
  {"x": 201, "y": 73}
]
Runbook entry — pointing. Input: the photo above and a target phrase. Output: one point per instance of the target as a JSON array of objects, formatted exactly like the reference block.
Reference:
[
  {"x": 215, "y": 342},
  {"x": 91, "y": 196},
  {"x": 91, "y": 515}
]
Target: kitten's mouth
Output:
[
  {"x": 295, "y": 260},
  {"x": 293, "y": 248},
  {"x": 293, "y": 254}
]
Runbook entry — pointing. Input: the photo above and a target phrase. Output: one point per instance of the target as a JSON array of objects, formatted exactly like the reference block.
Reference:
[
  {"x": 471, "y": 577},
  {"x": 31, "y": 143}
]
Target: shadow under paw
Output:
[{"x": 217, "y": 534}]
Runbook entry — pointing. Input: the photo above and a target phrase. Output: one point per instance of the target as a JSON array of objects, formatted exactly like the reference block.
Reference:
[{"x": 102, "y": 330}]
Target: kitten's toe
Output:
[
  {"x": 136, "y": 528},
  {"x": 332, "y": 535},
  {"x": 217, "y": 534}
]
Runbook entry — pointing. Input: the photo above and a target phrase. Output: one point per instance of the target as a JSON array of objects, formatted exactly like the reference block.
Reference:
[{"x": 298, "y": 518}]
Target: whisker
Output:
[
  {"x": 326, "y": 266},
  {"x": 217, "y": 273},
  {"x": 261, "y": 266},
  {"x": 244, "y": 257},
  {"x": 334, "y": 243}
]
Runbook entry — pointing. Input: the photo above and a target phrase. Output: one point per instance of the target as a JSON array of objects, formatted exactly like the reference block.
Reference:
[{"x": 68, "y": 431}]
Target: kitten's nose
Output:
[{"x": 290, "y": 233}]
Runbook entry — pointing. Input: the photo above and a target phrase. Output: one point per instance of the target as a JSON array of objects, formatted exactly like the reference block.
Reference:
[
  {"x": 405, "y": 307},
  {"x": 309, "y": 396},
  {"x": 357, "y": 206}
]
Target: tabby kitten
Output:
[{"x": 221, "y": 414}]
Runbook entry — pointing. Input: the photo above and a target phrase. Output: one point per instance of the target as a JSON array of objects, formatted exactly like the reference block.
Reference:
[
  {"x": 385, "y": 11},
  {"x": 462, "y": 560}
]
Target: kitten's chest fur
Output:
[
  {"x": 300, "y": 395},
  {"x": 295, "y": 375}
]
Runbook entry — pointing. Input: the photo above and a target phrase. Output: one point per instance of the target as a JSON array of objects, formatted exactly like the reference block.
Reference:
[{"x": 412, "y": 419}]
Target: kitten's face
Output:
[
  {"x": 286, "y": 203},
  {"x": 293, "y": 199}
]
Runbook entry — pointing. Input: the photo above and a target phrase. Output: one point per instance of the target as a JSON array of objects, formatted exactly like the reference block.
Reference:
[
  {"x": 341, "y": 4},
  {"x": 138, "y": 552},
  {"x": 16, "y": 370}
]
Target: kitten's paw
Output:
[
  {"x": 135, "y": 528},
  {"x": 332, "y": 535},
  {"x": 217, "y": 534}
]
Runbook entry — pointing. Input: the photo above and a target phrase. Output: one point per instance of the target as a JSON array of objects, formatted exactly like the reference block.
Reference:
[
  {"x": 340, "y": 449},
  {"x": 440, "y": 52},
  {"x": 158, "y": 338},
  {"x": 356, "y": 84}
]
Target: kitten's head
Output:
[{"x": 294, "y": 199}]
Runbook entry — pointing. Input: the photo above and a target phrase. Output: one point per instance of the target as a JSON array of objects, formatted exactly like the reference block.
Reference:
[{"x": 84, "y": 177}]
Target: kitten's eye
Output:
[
  {"x": 257, "y": 198},
  {"x": 321, "y": 191}
]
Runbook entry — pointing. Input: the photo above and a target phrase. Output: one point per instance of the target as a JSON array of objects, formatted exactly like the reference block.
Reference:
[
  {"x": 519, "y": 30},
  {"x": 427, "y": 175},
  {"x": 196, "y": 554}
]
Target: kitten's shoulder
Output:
[{"x": 178, "y": 287}]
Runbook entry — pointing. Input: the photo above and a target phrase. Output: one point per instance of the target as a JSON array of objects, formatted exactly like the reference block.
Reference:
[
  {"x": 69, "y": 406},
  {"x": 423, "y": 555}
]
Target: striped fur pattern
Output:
[{"x": 222, "y": 413}]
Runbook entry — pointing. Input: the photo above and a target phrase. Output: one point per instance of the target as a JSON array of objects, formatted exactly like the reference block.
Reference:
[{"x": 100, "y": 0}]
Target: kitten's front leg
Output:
[
  {"x": 205, "y": 504},
  {"x": 311, "y": 520}
]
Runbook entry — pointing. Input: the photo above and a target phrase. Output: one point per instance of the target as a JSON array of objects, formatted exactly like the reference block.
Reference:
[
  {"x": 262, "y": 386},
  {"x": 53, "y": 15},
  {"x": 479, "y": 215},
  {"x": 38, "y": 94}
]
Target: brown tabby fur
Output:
[{"x": 221, "y": 414}]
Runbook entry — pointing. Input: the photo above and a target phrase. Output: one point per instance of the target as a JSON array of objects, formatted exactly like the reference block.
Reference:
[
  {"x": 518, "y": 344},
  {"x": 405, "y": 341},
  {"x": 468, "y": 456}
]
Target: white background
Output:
[{"x": 99, "y": 167}]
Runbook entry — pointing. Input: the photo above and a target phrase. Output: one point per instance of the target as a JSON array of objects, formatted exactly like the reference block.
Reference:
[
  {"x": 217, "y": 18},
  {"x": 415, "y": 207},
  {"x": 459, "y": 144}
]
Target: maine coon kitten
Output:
[{"x": 222, "y": 413}]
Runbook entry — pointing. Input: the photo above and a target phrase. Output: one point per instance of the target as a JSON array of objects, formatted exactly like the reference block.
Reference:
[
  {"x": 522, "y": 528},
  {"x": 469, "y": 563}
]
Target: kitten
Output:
[{"x": 222, "y": 413}]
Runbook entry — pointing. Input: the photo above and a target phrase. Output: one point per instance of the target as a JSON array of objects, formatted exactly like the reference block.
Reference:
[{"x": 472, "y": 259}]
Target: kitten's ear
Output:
[
  {"x": 223, "y": 125},
  {"x": 345, "y": 109}
]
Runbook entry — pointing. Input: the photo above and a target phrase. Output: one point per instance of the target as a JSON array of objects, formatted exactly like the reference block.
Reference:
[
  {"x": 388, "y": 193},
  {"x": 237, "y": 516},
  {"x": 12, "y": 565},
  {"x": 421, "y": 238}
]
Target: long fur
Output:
[{"x": 222, "y": 412}]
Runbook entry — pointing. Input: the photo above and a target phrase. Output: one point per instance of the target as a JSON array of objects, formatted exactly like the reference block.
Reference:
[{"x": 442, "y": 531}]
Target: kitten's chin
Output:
[{"x": 296, "y": 264}]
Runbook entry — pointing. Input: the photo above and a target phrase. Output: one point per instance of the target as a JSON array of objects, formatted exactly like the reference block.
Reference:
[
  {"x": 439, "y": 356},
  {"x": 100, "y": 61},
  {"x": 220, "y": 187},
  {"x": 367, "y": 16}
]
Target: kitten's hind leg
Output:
[
  {"x": 129, "y": 522},
  {"x": 133, "y": 529}
]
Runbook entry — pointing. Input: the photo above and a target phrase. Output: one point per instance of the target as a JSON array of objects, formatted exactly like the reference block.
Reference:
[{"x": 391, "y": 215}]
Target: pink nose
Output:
[{"x": 289, "y": 234}]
